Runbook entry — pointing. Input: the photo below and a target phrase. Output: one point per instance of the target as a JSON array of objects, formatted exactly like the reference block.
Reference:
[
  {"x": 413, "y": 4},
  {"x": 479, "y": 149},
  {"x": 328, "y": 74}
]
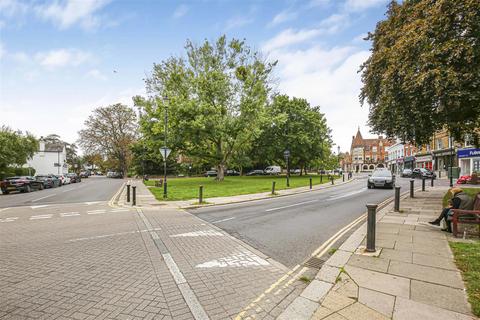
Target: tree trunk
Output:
[{"x": 220, "y": 172}]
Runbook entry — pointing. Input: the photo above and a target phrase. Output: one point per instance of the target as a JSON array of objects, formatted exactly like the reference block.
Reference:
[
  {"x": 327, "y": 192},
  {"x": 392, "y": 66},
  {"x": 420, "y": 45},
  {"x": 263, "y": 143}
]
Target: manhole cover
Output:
[{"x": 314, "y": 262}]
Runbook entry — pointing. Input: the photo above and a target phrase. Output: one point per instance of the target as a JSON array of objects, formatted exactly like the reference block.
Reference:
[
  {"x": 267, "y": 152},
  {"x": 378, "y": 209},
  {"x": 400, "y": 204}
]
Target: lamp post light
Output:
[
  {"x": 164, "y": 151},
  {"x": 286, "y": 154}
]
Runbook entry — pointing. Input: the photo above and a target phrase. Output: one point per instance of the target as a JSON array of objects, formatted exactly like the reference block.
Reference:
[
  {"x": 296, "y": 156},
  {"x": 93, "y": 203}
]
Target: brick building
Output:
[{"x": 368, "y": 154}]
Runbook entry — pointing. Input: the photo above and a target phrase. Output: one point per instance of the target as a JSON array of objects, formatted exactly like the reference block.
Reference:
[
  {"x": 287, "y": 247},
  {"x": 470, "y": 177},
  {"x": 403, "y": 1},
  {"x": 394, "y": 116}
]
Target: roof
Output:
[
  {"x": 54, "y": 147},
  {"x": 358, "y": 141}
]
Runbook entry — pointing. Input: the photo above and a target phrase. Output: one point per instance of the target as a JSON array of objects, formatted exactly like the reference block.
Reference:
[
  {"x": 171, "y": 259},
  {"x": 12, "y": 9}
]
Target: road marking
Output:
[
  {"x": 69, "y": 214},
  {"x": 241, "y": 258},
  {"x": 44, "y": 197},
  {"x": 96, "y": 211},
  {"x": 291, "y": 205},
  {"x": 10, "y": 219},
  {"x": 223, "y": 220},
  {"x": 39, "y": 206},
  {"x": 119, "y": 210},
  {"x": 111, "y": 235},
  {"x": 4, "y": 209},
  {"x": 206, "y": 233},
  {"x": 41, "y": 216},
  {"x": 346, "y": 194},
  {"x": 91, "y": 202},
  {"x": 111, "y": 203}
]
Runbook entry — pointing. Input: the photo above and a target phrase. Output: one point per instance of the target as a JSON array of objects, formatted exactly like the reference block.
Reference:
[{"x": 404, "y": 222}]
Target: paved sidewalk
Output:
[
  {"x": 413, "y": 277},
  {"x": 218, "y": 276},
  {"x": 147, "y": 199}
]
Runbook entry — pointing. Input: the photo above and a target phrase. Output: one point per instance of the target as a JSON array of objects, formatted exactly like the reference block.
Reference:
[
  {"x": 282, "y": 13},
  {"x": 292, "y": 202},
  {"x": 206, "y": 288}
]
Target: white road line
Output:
[
  {"x": 119, "y": 210},
  {"x": 96, "y": 211},
  {"x": 69, "y": 214},
  {"x": 292, "y": 205},
  {"x": 4, "y": 209},
  {"x": 41, "y": 216},
  {"x": 223, "y": 220},
  {"x": 44, "y": 197},
  {"x": 10, "y": 219},
  {"x": 111, "y": 235},
  {"x": 39, "y": 206},
  {"x": 346, "y": 194}
]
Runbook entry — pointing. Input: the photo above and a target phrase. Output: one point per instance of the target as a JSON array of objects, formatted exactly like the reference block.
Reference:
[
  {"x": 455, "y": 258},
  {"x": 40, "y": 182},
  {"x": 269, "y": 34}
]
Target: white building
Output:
[
  {"x": 50, "y": 158},
  {"x": 469, "y": 160},
  {"x": 395, "y": 157}
]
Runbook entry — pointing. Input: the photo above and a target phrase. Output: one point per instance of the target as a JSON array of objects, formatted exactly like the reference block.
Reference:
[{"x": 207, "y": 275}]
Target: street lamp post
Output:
[
  {"x": 286, "y": 153},
  {"x": 165, "y": 149},
  {"x": 451, "y": 161}
]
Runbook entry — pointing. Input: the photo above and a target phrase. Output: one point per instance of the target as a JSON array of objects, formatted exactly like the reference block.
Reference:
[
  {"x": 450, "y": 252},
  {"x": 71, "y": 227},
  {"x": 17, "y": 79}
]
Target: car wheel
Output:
[
  {"x": 41, "y": 187},
  {"x": 6, "y": 192},
  {"x": 28, "y": 188}
]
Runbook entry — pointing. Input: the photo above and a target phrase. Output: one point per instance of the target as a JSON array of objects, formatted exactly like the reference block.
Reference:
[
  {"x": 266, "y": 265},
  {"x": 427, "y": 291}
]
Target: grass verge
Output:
[
  {"x": 187, "y": 188},
  {"x": 467, "y": 258}
]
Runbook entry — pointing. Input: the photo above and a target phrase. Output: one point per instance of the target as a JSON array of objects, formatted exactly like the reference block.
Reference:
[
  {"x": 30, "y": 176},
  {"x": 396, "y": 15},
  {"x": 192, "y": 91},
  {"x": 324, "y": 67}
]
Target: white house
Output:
[
  {"x": 395, "y": 157},
  {"x": 50, "y": 158}
]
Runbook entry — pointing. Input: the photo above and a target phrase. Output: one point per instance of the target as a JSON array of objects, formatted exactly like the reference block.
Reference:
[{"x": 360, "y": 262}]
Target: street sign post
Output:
[
  {"x": 164, "y": 151},
  {"x": 286, "y": 154}
]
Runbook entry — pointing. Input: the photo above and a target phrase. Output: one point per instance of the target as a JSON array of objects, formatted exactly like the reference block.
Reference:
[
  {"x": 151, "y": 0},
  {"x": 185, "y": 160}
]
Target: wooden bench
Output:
[{"x": 467, "y": 216}]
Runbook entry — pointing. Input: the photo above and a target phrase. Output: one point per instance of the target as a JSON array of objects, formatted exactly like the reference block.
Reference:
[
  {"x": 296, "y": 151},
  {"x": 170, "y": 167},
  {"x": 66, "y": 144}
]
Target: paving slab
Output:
[
  {"x": 440, "y": 296},
  {"x": 424, "y": 273},
  {"x": 322, "y": 313},
  {"x": 371, "y": 263},
  {"x": 406, "y": 309},
  {"x": 328, "y": 274},
  {"x": 316, "y": 290},
  {"x": 433, "y": 261},
  {"x": 397, "y": 255},
  {"x": 335, "y": 301},
  {"x": 378, "y": 301},
  {"x": 301, "y": 308},
  {"x": 358, "y": 311},
  {"x": 339, "y": 258}
]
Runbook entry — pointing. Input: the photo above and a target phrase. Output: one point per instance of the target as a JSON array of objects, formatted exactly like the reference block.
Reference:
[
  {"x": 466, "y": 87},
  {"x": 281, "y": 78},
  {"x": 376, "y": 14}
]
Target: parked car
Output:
[
  {"x": 256, "y": 173},
  {"x": 74, "y": 178},
  {"x": 232, "y": 173},
  {"x": 406, "y": 173},
  {"x": 49, "y": 181},
  {"x": 210, "y": 173},
  {"x": 273, "y": 170},
  {"x": 295, "y": 171},
  {"x": 20, "y": 183},
  {"x": 464, "y": 179},
  {"x": 423, "y": 173},
  {"x": 64, "y": 179},
  {"x": 381, "y": 178},
  {"x": 84, "y": 174}
]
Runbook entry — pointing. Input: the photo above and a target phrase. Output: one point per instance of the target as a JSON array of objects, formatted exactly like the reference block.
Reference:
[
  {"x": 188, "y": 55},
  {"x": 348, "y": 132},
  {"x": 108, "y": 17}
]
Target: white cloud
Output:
[
  {"x": 96, "y": 74},
  {"x": 3, "y": 52},
  {"x": 318, "y": 3},
  {"x": 237, "y": 22},
  {"x": 63, "y": 58},
  {"x": 284, "y": 16},
  {"x": 289, "y": 37},
  {"x": 69, "y": 12},
  {"x": 180, "y": 11},
  {"x": 327, "y": 77},
  {"x": 361, "y": 5},
  {"x": 12, "y": 8}
]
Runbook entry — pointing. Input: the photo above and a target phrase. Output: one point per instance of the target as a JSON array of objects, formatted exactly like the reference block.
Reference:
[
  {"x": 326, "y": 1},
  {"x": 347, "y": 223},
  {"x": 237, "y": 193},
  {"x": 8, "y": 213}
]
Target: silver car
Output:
[{"x": 381, "y": 178}]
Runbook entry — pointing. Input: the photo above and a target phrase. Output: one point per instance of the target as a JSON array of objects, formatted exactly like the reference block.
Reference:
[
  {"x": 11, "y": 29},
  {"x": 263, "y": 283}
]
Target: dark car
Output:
[
  {"x": 256, "y": 173},
  {"x": 49, "y": 181},
  {"x": 21, "y": 183},
  {"x": 423, "y": 173},
  {"x": 232, "y": 173},
  {"x": 381, "y": 178},
  {"x": 210, "y": 173},
  {"x": 74, "y": 178}
]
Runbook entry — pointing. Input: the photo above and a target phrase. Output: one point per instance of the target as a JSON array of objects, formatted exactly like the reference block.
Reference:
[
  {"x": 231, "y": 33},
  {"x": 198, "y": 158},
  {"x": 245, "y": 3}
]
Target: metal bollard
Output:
[
  {"x": 134, "y": 196},
  {"x": 321, "y": 178},
  {"x": 200, "y": 194},
  {"x": 332, "y": 180},
  {"x": 273, "y": 187},
  {"x": 439, "y": 174},
  {"x": 371, "y": 224},
  {"x": 128, "y": 193},
  {"x": 310, "y": 183},
  {"x": 343, "y": 176},
  {"x": 397, "y": 199},
  {"x": 431, "y": 182},
  {"x": 423, "y": 184},
  {"x": 411, "y": 187}
]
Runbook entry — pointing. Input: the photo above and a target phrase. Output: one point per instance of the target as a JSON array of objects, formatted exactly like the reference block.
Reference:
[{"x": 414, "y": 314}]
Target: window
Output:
[
  {"x": 374, "y": 149},
  {"x": 439, "y": 143}
]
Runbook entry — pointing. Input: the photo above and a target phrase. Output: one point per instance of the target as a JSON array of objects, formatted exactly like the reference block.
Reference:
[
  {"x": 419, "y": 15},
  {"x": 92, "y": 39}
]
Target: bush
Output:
[{"x": 18, "y": 171}]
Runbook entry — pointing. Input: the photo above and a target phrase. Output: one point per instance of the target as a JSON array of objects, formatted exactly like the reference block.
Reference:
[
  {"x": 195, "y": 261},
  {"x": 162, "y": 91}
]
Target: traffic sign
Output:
[
  {"x": 164, "y": 151},
  {"x": 286, "y": 153}
]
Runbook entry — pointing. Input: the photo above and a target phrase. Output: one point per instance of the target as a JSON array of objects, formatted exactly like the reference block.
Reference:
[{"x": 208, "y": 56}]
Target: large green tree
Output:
[
  {"x": 111, "y": 131},
  {"x": 296, "y": 126},
  {"x": 216, "y": 97},
  {"x": 424, "y": 70},
  {"x": 15, "y": 148}
]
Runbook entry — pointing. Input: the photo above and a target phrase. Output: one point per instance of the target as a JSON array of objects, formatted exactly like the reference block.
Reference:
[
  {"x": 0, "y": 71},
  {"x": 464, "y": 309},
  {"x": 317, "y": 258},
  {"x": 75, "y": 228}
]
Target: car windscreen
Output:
[{"x": 383, "y": 173}]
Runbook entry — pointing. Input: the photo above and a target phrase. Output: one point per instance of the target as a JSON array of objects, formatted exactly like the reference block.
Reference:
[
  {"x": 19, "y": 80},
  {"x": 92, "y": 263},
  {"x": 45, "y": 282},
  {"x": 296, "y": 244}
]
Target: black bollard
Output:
[
  {"x": 321, "y": 178},
  {"x": 128, "y": 193},
  {"x": 343, "y": 176},
  {"x": 431, "y": 182},
  {"x": 439, "y": 174},
  {"x": 134, "y": 196},
  {"x": 310, "y": 183},
  {"x": 273, "y": 187},
  {"x": 397, "y": 199},
  {"x": 371, "y": 224},
  {"x": 200, "y": 194},
  {"x": 423, "y": 184},
  {"x": 332, "y": 180},
  {"x": 411, "y": 187}
]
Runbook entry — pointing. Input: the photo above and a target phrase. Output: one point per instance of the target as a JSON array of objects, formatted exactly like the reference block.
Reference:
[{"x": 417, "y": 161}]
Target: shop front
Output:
[
  {"x": 424, "y": 161},
  {"x": 469, "y": 160},
  {"x": 443, "y": 157},
  {"x": 408, "y": 162}
]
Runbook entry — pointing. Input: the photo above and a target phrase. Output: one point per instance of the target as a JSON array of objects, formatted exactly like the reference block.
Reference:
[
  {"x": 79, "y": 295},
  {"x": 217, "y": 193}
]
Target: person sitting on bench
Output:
[{"x": 460, "y": 200}]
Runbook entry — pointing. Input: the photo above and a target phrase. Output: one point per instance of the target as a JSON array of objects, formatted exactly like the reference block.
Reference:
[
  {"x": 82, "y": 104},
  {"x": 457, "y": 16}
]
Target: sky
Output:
[{"x": 60, "y": 59}]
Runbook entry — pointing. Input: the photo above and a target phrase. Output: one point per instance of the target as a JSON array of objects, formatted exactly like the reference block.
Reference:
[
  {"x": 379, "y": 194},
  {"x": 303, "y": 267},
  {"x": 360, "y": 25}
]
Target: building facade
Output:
[
  {"x": 395, "y": 154},
  {"x": 51, "y": 158},
  {"x": 368, "y": 154}
]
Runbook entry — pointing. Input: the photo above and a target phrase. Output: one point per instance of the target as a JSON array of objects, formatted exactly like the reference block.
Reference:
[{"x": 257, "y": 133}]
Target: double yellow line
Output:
[{"x": 112, "y": 201}]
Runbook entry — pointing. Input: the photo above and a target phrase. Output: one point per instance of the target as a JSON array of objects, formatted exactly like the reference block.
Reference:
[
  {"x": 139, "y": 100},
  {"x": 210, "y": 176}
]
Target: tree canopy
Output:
[
  {"x": 15, "y": 148},
  {"x": 216, "y": 98},
  {"x": 424, "y": 70},
  {"x": 110, "y": 131}
]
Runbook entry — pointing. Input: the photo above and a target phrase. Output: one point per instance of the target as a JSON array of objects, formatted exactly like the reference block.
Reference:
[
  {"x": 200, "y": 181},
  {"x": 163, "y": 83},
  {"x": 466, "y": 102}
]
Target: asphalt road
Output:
[
  {"x": 89, "y": 190},
  {"x": 289, "y": 229}
]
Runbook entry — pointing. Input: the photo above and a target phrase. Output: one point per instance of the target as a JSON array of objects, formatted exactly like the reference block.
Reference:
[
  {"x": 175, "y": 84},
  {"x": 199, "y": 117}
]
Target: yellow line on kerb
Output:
[{"x": 111, "y": 203}]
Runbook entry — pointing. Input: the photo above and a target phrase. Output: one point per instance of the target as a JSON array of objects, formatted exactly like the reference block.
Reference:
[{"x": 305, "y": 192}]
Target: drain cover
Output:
[{"x": 314, "y": 262}]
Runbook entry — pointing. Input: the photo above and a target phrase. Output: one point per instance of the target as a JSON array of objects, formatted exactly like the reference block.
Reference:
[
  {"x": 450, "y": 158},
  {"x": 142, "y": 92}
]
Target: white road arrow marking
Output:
[
  {"x": 243, "y": 258},
  {"x": 207, "y": 233}
]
